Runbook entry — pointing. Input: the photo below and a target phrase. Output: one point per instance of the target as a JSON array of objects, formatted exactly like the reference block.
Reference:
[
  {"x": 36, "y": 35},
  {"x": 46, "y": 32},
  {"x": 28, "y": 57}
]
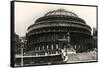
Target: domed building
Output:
[{"x": 54, "y": 31}]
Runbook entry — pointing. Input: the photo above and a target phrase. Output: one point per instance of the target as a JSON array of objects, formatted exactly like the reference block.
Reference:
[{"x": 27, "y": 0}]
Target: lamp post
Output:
[
  {"x": 66, "y": 47},
  {"x": 22, "y": 54},
  {"x": 68, "y": 39},
  {"x": 63, "y": 41}
]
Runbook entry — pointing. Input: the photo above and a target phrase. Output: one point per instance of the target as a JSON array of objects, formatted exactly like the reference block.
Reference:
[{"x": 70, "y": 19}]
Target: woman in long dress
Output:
[{"x": 64, "y": 55}]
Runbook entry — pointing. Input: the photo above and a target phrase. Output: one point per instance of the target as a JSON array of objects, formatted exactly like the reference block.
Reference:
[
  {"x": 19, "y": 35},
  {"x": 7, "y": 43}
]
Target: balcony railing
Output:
[
  {"x": 38, "y": 54},
  {"x": 60, "y": 24}
]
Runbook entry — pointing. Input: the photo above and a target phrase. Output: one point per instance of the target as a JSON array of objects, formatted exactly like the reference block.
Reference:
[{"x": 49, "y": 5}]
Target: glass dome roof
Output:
[{"x": 61, "y": 12}]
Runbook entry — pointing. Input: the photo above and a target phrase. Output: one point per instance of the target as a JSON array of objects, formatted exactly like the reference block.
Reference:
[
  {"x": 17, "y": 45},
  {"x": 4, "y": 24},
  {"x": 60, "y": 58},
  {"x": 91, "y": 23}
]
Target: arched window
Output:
[
  {"x": 36, "y": 54},
  {"x": 79, "y": 46},
  {"x": 47, "y": 46},
  {"x": 43, "y": 47},
  {"x": 52, "y": 46},
  {"x": 56, "y": 46},
  {"x": 39, "y": 47},
  {"x": 45, "y": 53},
  {"x": 75, "y": 46}
]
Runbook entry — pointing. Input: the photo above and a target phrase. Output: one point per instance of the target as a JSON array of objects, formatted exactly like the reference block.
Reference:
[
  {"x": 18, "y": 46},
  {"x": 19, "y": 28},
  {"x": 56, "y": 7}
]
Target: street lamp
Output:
[
  {"x": 63, "y": 41},
  {"x": 22, "y": 54}
]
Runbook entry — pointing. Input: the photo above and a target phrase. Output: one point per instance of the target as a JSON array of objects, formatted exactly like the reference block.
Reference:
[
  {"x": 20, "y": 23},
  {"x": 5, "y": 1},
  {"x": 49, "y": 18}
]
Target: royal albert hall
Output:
[{"x": 54, "y": 31}]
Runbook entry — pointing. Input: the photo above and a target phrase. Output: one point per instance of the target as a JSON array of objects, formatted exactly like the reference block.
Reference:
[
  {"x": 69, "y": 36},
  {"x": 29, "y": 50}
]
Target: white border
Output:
[{"x": 5, "y": 34}]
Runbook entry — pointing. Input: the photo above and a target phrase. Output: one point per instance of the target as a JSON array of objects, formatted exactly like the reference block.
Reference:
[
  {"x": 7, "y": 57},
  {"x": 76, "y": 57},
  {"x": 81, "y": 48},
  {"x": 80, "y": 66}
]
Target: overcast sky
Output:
[{"x": 27, "y": 13}]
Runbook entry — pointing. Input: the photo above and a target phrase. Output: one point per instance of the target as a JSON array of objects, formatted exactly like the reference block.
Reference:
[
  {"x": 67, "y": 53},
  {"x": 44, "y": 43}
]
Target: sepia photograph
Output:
[{"x": 53, "y": 33}]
